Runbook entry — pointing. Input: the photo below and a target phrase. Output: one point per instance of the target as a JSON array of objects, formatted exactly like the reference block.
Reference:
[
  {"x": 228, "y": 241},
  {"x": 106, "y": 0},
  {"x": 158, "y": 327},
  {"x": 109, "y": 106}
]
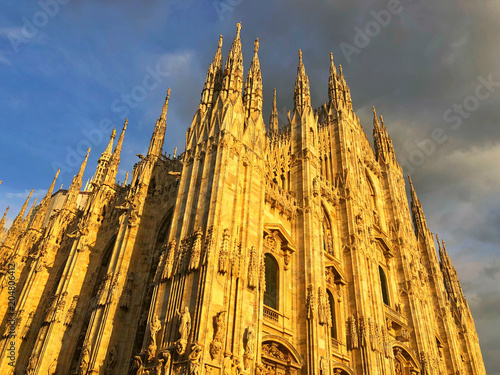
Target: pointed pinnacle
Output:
[
  {"x": 30, "y": 212},
  {"x": 238, "y": 29},
  {"x": 439, "y": 244},
  {"x": 256, "y": 46},
  {"x": 333, "y": 70},
  {"x": 300, "y": 57},
  {"x": 164, "y": 110},
  {"x": 6, "y": 211},
  {"x": 220, "y": 42}
]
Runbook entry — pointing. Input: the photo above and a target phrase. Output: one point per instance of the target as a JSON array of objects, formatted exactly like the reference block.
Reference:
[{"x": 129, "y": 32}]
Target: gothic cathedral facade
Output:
[{"x": 290, "y": 250}]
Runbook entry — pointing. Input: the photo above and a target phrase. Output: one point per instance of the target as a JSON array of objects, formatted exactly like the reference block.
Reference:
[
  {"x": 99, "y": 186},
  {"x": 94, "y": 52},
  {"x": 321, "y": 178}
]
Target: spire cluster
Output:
[{"x": 384, "y": 150}]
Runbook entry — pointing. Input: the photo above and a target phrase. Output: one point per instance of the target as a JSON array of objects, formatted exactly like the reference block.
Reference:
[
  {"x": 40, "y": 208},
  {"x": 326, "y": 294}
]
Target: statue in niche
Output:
[
  {"x": 184, "y": 323},
  {"x": 216, "y": 344}
]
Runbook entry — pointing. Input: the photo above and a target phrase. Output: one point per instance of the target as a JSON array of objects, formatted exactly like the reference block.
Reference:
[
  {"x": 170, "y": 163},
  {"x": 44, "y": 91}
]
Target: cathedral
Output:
[{"x": 284, "y": 249}]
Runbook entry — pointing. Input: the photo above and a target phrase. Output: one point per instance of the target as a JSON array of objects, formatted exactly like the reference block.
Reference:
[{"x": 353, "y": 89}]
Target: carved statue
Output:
[
  {"x": 71, "y": 311},
  {"x": 322, "y": 312},
  {"x": 51, "y": 309},
  {"x": 227, "y": 364},
  {"x": 184, "y": 323},
  {"x": 127, "y": 292},
  {"x": 216, "y": 344},
  {"x": 169, "y": 262},
  {"x": 194, "y": 359},
  {"x": 154, "y": 327},
  {"x": 224, "y": 253},
  {"x": 84, "y": 363},
  {"x": 323, "y": 366},
  {"x": 110, "y": 365},
  {"x": 253, "y": 269},
  {"x": 27, "y": 325},
  {"x": 196, "y": 251},
  {"x": 60, "y": 307},
  {"x": 250, "y": 347},
  {"x": 311, "y": 302}
]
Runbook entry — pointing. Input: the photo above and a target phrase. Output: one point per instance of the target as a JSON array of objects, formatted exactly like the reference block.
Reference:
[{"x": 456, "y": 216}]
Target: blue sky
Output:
[{"x": 89, "y": 64}]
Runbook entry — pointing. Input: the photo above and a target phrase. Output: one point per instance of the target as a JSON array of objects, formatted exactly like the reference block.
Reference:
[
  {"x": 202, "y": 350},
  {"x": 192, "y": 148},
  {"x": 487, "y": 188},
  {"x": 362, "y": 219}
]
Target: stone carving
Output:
[
  {"x": 169, "y": 262},
  {"x": 154, "y": 327},
  {"x": 216, "y": 344},
  {"x": 33, "y": 361},
  {"x": 111, "y": 362},
  {"x": 208, "y": 244},
  {"x": 353, "y": 333},
  {"x": 194, "y": 359},
  {"x": 71, "y": 311},
  {"x": 127, "y": 292},
  {"x": 249, "y": 346},
  {"x": 184, "y": 255},
  {"x": 272, "y": 350},
  {"x": 237, "y": 260},
  {"x": 286, "y": 260},
  {"x": 136, "y": 366},
  {"x": 364, "y": 332},
  {"x": 224, "y": 253},
  {"x": 322, "y": 309},
  {"x": 227, "y": 364},
  {"x": 253, "y": 269},
  {"x": 84, "y": 362},
  {"x": 113, "y": 288},
  {"x": 27, "y": 325},
  {"x": 311, "y": 302},
  {"x": 60, "y": 307},
  {"x": 184, "y": 330},
  {"x": 194, "y": 262},
  {"x": 323, "y": 366},
  {"x": 102, "y": 294},
  {"x": 51, "y": 309}
]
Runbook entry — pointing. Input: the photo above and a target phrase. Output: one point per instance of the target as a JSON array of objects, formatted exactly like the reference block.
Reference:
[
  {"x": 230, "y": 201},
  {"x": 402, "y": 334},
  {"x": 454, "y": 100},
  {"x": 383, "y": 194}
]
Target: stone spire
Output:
[
  {"x": 253, "y": 86},
  {"x": 126, "y": 179},
  {"x": 103, "y": 161},
  {"x": 27, "y": 219},
  {"x": 114, "y": 162},
  {"x": 273, "y": 121},
  {"x": 233, "y": 70},
  {"x": 19, "y": 218},
  {"x": 417, "y": 213},
  {"x": 302, "y": 95},
  {"x": 333, "y": 89},
  {"x": 213, "y": 82},
  {"x": 43, "y": 208},
  {"x": 158, "y": 137},
  {"x": 76, "y": 185},
  {"x": 384, "y": 150},
  {"x": 3, "y": 220}
]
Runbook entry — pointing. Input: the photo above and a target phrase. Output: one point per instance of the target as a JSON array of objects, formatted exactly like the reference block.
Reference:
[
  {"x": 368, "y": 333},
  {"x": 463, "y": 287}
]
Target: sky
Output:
[{"x": 71, "y": 70}]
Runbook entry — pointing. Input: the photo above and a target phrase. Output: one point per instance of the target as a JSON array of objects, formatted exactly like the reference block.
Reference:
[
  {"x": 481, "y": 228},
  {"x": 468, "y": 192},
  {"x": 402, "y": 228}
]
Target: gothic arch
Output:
[
  {"x": 406, "y": 352},
  {"x": 287, "y": 344},
  {"x": 164, "y": 228},
  {"x": 343, "y": 367}
]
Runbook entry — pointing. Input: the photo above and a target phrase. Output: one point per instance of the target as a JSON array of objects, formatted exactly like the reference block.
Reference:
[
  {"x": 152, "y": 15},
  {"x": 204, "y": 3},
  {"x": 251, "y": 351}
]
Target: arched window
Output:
[
  {"x": 331, "y": 301},
  {"x": 383, "y": 283},
  {"x": 271, "y": 294}
]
